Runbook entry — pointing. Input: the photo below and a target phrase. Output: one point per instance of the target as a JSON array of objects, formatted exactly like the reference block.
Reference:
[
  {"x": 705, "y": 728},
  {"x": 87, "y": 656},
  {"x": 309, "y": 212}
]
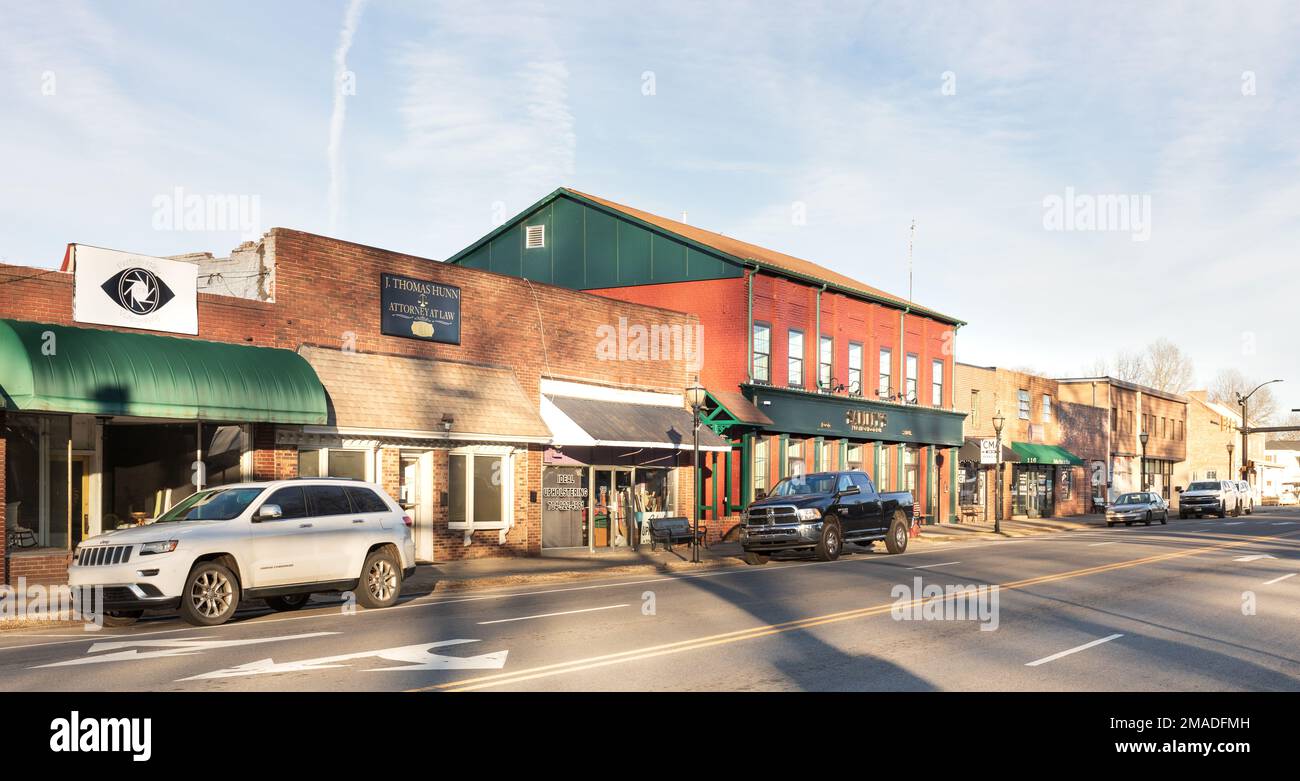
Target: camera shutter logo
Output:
[{"x": 138, "y": 291}]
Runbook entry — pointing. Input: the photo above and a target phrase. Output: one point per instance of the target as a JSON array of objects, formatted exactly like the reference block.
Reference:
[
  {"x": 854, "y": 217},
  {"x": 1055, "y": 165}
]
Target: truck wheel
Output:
[
  {"x": 211, "y": 595},
  {"x": 755, "y": 559},
  {"x": 1148, "y": 517},
  {"x": 896, "y": 540},
  {"x": 828, "y": 547},
  {"x": 122, "y": 617}
]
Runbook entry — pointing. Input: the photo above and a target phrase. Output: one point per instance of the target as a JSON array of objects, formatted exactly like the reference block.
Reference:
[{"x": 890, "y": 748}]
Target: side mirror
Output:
[
  {"x": 760, "y": 495},
  {"x": 268, "y": 512},
  {"x": 852, "y": 490}
]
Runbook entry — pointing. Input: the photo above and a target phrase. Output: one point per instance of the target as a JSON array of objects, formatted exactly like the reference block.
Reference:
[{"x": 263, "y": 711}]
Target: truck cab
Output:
[{"x": 821, "y": 512}]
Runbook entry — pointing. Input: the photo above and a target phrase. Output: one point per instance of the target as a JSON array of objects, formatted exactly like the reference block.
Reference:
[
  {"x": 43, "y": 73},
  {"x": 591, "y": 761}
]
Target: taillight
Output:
[{"x": 406, "y": 519}]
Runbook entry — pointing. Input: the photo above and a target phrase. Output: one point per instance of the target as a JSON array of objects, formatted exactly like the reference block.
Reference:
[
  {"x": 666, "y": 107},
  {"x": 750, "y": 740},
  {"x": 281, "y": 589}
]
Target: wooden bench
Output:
[
  {"x": 672, "y": 530},
  {"x": 970, "y": 513}
]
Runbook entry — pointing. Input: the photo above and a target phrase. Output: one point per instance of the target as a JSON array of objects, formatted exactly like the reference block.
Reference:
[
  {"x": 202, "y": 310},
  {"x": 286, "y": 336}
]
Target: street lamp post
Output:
[
  {"x": 1144, "y": 436},
  {"x": 1245, "y": 441},
  {"x": 998, "y": 421},
  {"x": 1231, "y": 447},
  {"x": 695, "y": 396}
]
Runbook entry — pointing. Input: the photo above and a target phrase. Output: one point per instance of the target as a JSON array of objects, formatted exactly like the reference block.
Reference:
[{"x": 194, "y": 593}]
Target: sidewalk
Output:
[{"x": 952, "y": 532}]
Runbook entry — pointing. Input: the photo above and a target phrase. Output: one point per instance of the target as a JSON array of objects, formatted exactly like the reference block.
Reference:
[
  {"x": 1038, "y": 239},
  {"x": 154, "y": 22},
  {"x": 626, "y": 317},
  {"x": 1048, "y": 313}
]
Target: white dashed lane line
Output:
[
  {"x": 1280, "y": 579},
  {"x": 1074, "y": 650}
]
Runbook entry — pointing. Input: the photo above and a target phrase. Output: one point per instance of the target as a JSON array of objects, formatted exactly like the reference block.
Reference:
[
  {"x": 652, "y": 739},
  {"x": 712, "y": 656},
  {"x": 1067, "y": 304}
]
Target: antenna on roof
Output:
[{"x": 910, "y": 237}]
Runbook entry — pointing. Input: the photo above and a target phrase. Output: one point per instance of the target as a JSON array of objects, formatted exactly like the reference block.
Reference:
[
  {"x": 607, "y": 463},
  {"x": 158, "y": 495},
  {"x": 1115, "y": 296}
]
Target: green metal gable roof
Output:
[
  {"x": 57, "y": 368},
  {"x": 740, "y": 262}
]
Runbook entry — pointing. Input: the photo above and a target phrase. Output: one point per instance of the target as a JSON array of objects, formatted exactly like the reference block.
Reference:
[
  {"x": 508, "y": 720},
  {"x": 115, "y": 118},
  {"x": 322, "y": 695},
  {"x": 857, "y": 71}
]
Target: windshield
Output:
[
  {"x": 217, "y": 504},
  {"x": 805, "y": 485},
  {"x": 1133, "y": 499},
  {"x": 1203, "y": 487}
]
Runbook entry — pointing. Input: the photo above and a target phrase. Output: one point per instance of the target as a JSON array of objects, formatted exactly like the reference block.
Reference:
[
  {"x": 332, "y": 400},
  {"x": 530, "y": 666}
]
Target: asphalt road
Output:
[{"x": 1198, "y": 605}]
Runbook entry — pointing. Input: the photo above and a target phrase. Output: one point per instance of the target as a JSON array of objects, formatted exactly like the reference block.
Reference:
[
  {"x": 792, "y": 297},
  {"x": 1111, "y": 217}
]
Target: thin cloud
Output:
[{"x": 339, "y": 115}]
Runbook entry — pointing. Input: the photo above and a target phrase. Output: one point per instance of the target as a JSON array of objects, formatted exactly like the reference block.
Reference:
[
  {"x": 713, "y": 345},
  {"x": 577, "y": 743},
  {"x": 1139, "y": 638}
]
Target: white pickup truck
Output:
[{"x": 279, "y": 541}]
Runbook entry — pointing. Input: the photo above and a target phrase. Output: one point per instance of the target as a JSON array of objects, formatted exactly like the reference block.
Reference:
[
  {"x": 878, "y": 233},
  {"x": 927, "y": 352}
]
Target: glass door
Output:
[{"x": 612, "y": 508}]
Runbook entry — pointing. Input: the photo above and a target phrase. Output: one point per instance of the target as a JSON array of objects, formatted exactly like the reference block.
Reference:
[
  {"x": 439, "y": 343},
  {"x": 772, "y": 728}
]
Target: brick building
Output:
[
  {"x": 303, "y": 374},
  {"x": 1053, "y": 451},
  {"x": 806, "y": 368},
  {"x": 1132, "y": 411},
  {"x": 1214, "y": 443}
]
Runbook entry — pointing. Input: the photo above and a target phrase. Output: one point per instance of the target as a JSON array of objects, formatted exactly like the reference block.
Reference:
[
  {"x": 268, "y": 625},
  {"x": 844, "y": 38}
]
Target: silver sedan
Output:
[{"x": 1139, "y": 507}]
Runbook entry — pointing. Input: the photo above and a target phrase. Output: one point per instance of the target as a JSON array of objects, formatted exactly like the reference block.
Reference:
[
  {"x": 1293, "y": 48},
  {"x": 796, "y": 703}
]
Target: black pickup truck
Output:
[{"x": 822, "y": 511}]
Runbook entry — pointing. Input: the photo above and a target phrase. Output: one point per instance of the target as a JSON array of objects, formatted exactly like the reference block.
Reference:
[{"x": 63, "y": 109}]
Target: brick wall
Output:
[
  {"x": 4, "y": 543},
  {"x": 43, "y": 568}
]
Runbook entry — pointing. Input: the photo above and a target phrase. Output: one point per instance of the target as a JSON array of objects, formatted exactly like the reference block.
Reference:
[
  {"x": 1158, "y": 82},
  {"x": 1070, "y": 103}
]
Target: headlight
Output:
[
  {"x": 810, "y": 514},
  {"x": 164, "y": 546}
]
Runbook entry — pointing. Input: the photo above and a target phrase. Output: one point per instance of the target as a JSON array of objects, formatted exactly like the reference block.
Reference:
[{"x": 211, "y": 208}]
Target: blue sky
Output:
[{"x": 965, "y": 117}]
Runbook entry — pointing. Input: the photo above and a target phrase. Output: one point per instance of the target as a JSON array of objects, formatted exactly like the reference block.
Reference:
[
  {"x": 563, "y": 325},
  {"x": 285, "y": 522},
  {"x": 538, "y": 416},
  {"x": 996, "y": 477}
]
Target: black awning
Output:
[
  {"x": 970, "y": 452},
  {"x": 617, "y": 424}
]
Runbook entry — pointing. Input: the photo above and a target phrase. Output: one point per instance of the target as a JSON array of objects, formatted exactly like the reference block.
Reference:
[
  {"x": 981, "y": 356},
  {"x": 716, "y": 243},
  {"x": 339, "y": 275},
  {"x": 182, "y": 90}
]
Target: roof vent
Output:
[{"x": 534, "y": 237}]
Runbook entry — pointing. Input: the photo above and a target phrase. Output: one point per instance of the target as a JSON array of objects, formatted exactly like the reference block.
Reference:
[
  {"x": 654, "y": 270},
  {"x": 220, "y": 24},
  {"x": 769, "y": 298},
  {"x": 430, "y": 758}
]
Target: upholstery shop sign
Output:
[
  {"x": 133, "y": 291},
  {"x": 418, "y": 309}
]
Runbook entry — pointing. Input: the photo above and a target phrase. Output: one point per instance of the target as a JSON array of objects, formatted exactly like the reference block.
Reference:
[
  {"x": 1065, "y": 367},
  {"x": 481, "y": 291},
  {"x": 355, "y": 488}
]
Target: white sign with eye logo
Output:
[{"x": 133, "y": 291}]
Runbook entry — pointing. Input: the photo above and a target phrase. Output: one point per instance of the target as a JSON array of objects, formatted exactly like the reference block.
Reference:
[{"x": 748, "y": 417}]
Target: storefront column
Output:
[
  {"x": 783, "y": 445},
  {"x": 953, "y": 488},
  {"x": 746, "y": 469},
  {"x": 875, "y": 467},
  {"x": 4, "y": 550},
  {"x": 818, "y": 466},
  {"x": 931, "y": 507},
  {"x": 898, "y": 467}
]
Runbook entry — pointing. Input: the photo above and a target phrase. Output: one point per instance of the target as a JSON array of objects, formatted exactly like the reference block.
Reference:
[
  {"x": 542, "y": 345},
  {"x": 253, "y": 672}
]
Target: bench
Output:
[
  {"x": 672, "y": 530},
  {"x": 970, "y": 513}
]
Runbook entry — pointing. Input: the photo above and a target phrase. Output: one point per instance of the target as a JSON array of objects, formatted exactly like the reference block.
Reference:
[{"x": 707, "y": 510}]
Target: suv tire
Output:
[
  {"x": 288, "y": 602},
  {"x": 830, "y": 542},
  {"x": 896, "y": 539},
  {"x": 755, "y": 559},
  {"x": 211, "y": 595},
  {"x": 381, "y": 580}
]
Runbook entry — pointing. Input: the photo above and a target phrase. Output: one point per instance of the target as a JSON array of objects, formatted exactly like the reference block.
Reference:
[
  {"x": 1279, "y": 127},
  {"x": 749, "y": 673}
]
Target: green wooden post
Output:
[
  {"x": 953, "y": 488},
  {"x": 931, "y": 484},
  {"x": 783, "y": 444},
  {"x": 746, "y": 468}
]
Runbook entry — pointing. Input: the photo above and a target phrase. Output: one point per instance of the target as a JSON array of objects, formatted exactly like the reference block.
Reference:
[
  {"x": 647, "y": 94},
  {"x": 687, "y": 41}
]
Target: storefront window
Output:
[
  {"x": 760, "y": 465},
  {"x": 347, "y": 463},
  {"x": 309, "y": 463},
  {"x": 23, "y": 482},
  {"x": 855, "y": 456},
  {"x": 795, "y": 466},
  {"x": 148, "y": 468},
  {"x": 478, "y": 490}
]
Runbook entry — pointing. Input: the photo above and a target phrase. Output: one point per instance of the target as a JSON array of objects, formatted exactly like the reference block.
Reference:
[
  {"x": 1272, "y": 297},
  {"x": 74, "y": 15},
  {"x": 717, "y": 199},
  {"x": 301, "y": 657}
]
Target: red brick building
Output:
[
  {"x": 806, "y": 368},
  {"x": 110, "y": 425}
]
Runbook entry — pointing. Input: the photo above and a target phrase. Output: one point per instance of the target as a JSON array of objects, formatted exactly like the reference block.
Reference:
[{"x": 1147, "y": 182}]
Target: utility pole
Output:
[
  {"x": 1245, "y": 431},
  {"x": 911, "y": 237}
]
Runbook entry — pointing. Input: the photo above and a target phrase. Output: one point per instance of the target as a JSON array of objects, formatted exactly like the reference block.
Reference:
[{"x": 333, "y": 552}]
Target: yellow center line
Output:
[{"x": 753, "y": 633}]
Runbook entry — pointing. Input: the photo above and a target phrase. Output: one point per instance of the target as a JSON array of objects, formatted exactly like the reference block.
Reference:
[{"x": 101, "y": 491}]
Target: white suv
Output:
[{"x": 279, "y": 541}]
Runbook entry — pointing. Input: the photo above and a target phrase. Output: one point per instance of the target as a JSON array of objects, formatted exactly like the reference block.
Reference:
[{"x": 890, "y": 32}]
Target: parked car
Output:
[
  {"x": 1247, "y": 496},
  {"x": 279, "y": 541},
  {"x": 1138, "y": 507},
  {"x": 820, "y": 512},
  {"x": 1207, "y": 497}
]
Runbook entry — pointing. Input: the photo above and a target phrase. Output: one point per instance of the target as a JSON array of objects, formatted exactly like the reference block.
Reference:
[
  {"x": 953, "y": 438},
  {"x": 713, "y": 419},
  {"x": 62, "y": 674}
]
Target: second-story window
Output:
[
  {"x": 909, "y": 392},
  {"x": 975, "y": 407},
  {"x": 1047, "y": 408},
  {"x": 855, "y": 367},
  {"x": 794, "y": 362},
  {"x": 936, "y": 384},
  {"x": 1022, "y": 396},
  {"x": 762, "y": 353},
  {"x": 886, "y": 387},
  {"x": 825, "y": 350}
]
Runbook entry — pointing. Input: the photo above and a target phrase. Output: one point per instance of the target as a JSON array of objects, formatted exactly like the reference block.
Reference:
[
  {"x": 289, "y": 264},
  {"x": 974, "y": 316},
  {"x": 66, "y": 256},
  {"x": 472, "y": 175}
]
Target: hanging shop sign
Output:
[
  {"x": 419, "y": 309},
  {"x": 133, "y": 291},
  {"x": 988, "y": 451}
]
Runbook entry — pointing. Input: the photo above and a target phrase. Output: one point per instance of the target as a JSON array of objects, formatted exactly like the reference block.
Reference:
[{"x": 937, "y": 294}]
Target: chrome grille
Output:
[
  {"x": 762, "y": 516},
  {"x": 103, "y": 555}
]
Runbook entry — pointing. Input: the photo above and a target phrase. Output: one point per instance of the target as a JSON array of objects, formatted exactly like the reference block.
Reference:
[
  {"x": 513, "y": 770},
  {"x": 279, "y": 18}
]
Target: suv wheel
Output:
[
  {"x": 287, "y": 602},
  {"x": 381, "y": 580},
  {"x": 755, "y": 559},
  {"x": 896, "y": 540},
  {"x": 211, "y": 595},
  {"x": 1148, "y": 517},
  {"x": 828, "y": 547},
  {"x": 122, "y": 617}
]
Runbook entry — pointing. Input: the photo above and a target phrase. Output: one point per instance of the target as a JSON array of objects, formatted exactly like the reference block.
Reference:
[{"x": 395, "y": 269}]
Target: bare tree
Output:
[
  {"x": 1228, "y": 384},
  {"x": 1161, "y": 365},
  {"x": 1167, "y": 367},
  {"x": 1291, "y": 420}
]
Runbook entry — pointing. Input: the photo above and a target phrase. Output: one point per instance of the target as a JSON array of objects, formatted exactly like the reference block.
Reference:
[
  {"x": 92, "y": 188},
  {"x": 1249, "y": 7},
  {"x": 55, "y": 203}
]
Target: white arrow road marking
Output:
[
  {"x": 1074, "y": 650},
  {"x": 167, "y": 648},
  {"x": 1256, "y": 557},
  {"x": 551, "y": 615},
  {"x": 1279, "y": 580},
  {"x": 420, "y": 657}
]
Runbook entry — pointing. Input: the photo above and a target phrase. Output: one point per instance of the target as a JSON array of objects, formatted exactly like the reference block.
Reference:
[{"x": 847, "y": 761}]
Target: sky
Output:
[{"x": 818, "y": 129}]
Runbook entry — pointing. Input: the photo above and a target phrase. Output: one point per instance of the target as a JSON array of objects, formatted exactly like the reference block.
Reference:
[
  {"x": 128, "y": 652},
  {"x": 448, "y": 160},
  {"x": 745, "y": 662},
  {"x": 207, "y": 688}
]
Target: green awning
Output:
[
  {"x": 1051, "y": 455},
  {"x": 58, "y": 368}
]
